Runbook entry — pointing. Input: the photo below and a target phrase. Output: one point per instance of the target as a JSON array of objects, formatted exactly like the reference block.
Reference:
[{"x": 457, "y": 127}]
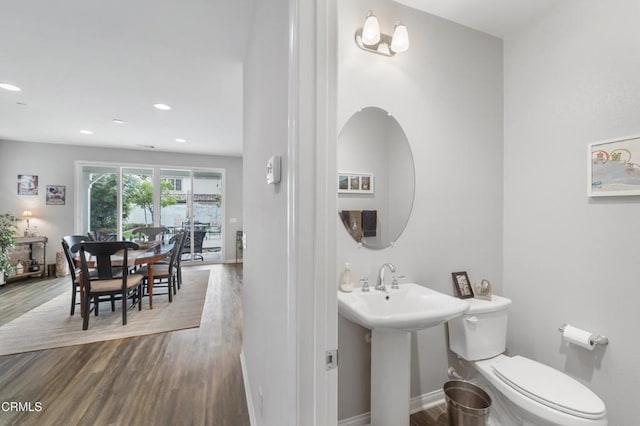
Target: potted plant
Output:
[{"x": 8, "y": 231}]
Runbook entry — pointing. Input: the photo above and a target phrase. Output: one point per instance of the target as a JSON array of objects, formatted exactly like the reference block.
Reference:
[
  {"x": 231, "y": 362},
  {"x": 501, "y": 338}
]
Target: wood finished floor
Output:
[
  {"x": 435, "y": 416},
  {"x": 187, "y": 377}
]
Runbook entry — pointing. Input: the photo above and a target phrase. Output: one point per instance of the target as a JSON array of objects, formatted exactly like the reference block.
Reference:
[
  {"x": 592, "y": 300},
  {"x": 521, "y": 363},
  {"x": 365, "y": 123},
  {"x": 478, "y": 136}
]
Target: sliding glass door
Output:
[{"x": 118, "y": 199}]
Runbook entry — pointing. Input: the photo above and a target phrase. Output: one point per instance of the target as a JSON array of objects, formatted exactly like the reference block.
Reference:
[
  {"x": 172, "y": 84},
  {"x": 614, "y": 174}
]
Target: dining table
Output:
[{"x": 148, "y": 254}]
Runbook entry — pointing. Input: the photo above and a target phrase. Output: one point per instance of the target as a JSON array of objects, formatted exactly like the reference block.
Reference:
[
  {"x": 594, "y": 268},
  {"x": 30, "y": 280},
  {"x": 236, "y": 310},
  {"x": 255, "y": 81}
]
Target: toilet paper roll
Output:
[{"x": 578, "y": 337}]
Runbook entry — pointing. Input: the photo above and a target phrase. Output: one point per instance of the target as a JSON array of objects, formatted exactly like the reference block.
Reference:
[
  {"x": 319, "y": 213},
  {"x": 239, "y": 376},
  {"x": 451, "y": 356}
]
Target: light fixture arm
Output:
[{"x": 381, "y": 47}]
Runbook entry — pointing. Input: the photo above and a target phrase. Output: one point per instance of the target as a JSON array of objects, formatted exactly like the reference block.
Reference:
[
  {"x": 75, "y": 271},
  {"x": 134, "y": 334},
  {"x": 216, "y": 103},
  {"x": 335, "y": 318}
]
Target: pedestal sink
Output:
[{"x": 391, "y": 316}]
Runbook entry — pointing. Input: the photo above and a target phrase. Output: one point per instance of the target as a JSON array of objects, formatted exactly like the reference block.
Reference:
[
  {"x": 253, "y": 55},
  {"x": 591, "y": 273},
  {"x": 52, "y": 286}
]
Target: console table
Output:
[{"x": 42, "y": 262}]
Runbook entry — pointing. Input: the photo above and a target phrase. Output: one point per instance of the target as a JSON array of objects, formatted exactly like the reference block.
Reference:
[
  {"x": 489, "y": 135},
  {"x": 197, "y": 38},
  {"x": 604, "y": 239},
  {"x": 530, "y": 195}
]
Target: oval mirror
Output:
[{"x": 376, "y": 178}]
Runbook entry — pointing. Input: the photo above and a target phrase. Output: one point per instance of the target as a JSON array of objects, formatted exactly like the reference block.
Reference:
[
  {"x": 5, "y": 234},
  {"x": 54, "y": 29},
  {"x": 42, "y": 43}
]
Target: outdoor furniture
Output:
[
  {"x": 198, "y": 240},
  {"x": 106, "y": 281},
  {"x": 151, "y": 232}
]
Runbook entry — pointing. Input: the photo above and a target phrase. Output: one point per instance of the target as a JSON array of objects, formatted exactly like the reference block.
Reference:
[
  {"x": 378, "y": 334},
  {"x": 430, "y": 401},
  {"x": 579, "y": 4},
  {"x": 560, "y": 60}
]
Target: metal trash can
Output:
[{"x": 467, "y": 404}]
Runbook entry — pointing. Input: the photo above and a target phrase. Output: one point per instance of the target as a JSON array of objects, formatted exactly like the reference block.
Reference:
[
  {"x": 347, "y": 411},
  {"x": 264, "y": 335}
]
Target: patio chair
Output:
[{"x": 198, "y": 241}]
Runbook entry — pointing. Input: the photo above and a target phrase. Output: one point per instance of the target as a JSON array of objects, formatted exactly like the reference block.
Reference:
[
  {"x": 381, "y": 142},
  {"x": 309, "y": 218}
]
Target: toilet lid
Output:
[{"x": 549, "y": 387}]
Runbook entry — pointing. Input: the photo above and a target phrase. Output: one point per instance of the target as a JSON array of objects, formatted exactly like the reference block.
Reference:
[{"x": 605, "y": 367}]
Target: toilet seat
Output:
[{"x": 549, "y": 387}]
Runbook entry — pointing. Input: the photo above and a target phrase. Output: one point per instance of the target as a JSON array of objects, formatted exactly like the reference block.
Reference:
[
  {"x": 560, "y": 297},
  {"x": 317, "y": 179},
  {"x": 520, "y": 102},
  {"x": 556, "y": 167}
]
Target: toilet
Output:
[{"x": 524, "y": 392}]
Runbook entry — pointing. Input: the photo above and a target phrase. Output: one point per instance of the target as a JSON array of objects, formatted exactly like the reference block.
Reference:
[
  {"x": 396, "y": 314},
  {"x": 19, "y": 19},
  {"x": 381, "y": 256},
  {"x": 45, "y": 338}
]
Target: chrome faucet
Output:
[{"x": 380, "y": 280}]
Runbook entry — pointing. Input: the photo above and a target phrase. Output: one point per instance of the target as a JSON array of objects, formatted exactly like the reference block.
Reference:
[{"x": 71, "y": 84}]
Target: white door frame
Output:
[{"x": 311, "y": 206}]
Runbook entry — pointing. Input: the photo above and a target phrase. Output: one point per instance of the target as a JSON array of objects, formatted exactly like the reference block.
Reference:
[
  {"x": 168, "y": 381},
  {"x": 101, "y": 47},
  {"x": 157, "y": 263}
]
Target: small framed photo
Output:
[
  {"x": 462, "y": 284},
  {"x": 355, "y": 183},
  {"x": 56, "y": 195}
]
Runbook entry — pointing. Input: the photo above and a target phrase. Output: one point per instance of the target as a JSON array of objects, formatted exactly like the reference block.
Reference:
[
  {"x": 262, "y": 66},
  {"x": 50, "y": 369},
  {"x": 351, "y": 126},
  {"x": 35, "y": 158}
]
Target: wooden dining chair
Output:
[
  {"x": 166, "y": 274},
  {"x": 106, "y": 281},
  {"x": 69, "y": 241}
]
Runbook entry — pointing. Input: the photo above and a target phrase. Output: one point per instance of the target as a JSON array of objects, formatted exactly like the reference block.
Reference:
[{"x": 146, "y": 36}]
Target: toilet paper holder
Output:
[{"x": 595, "y": 340}]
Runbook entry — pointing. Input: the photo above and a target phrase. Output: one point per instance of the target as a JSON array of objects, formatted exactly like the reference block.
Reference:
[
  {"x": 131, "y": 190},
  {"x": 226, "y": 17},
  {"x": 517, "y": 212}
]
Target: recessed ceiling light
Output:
[
  {"x": 118, "y": 121},
  {"x": 163, "y": 107},
  {"x": 86, "y": 132},
  {"x": 11, "y": 87},
  {"x": 181, "y": 140}
]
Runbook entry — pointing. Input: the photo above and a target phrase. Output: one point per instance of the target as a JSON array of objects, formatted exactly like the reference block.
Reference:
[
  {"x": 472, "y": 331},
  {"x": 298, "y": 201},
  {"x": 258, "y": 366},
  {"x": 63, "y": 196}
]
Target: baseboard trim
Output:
[
  {"x": 247, "y": 390},
  {"x": 418, "y": 403}
]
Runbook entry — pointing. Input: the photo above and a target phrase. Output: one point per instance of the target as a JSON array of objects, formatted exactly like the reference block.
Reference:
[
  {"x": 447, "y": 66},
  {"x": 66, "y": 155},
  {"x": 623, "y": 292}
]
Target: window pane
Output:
[
  {"x": 99, "y": 201},
  {"x": 207, "y": 208},
  {"x": 174, "y": 199},
  {"x": 137, "y": 199}
]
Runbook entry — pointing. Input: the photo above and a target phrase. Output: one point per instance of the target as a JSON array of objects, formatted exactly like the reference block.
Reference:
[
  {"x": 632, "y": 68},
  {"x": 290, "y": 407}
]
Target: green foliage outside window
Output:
[{"x": 137, "y": 191}]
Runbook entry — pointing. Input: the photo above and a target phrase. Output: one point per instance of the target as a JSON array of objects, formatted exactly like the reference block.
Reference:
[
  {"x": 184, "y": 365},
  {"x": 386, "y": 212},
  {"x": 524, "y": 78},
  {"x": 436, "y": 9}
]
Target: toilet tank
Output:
[{"x": 481, "y": 332}]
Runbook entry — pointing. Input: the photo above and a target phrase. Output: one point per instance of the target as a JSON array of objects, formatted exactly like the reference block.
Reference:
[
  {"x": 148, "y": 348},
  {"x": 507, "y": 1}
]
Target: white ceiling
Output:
[
  {"x": 82, "y": 63},
  {"x": 499, "y": 18}
]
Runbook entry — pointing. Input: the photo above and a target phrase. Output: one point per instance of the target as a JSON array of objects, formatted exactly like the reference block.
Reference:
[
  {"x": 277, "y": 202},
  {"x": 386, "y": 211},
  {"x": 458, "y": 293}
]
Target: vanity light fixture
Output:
[{"x": 370, "y": 38}]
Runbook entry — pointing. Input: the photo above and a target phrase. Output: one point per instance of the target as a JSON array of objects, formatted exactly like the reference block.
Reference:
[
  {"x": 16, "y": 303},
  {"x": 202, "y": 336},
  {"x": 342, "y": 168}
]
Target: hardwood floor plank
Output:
[
  {"x": 435, "y": 416},
  {"x": 186, "y": 377}
]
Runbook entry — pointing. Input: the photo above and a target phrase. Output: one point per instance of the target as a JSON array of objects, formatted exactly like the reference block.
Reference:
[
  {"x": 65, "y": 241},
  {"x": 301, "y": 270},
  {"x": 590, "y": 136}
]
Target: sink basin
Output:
[
  {"x": 412, "y": 307},
  {"x": 391, "y": 319}
]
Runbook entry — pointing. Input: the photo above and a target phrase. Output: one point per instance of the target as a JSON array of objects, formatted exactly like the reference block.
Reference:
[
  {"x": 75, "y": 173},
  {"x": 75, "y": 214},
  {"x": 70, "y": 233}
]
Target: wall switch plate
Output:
[{"x": 273, "y": 170}]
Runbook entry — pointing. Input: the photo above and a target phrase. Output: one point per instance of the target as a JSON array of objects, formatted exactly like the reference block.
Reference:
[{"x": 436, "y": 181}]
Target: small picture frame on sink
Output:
[{"x": 462, "y": 284}]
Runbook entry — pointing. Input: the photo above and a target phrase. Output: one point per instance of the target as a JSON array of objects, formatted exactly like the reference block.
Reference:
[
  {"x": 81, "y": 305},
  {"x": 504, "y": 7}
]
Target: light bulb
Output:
[
  {"x": 371, "y": 30},
  {"x": 400, "y": 39}
]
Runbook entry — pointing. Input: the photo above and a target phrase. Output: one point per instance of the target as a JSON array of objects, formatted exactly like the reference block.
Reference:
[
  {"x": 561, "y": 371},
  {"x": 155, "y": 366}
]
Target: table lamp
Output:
[{"x": 27, "y": 214}]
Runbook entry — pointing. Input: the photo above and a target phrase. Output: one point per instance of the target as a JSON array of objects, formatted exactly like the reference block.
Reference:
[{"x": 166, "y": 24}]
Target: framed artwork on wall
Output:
[
  {"x": 355, "y": 183},
  {"x": 27, "y": 185},
  {"x": 56, "y": 195},
  {"x": 614, "y": 167},
  {"x": 462, "y": 284}
]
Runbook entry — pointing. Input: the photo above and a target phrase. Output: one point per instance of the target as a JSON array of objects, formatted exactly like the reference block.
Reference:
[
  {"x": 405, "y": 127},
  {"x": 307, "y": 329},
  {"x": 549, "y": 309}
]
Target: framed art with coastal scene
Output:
[{"x": 614, "y": 167}]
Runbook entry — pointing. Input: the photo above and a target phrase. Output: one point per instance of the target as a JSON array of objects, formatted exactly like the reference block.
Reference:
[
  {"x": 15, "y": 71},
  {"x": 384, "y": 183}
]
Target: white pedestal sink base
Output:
[{"x": 390, "y": 377}]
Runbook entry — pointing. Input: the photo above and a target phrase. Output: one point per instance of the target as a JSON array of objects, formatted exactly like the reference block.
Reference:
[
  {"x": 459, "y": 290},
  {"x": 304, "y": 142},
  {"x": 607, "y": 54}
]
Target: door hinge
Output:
[{"x": 331, "y": 358}]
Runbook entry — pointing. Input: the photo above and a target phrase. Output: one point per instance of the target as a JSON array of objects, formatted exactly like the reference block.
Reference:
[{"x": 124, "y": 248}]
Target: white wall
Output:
[
  {"x": 572, "y": 79},
  {"x": 446, "y": 93},
  {"x": 55, "y": 165},
  {"x": 265, "y": 293}
]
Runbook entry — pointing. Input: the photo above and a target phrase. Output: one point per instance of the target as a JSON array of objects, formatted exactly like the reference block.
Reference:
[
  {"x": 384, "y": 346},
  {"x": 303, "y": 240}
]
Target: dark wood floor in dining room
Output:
[{"x": 187, "y": 377}]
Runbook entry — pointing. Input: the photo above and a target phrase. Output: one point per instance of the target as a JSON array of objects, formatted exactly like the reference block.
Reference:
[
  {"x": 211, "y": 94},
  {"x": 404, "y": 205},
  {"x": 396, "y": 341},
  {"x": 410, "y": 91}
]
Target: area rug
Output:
[{"x": 50, "y": 325}]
